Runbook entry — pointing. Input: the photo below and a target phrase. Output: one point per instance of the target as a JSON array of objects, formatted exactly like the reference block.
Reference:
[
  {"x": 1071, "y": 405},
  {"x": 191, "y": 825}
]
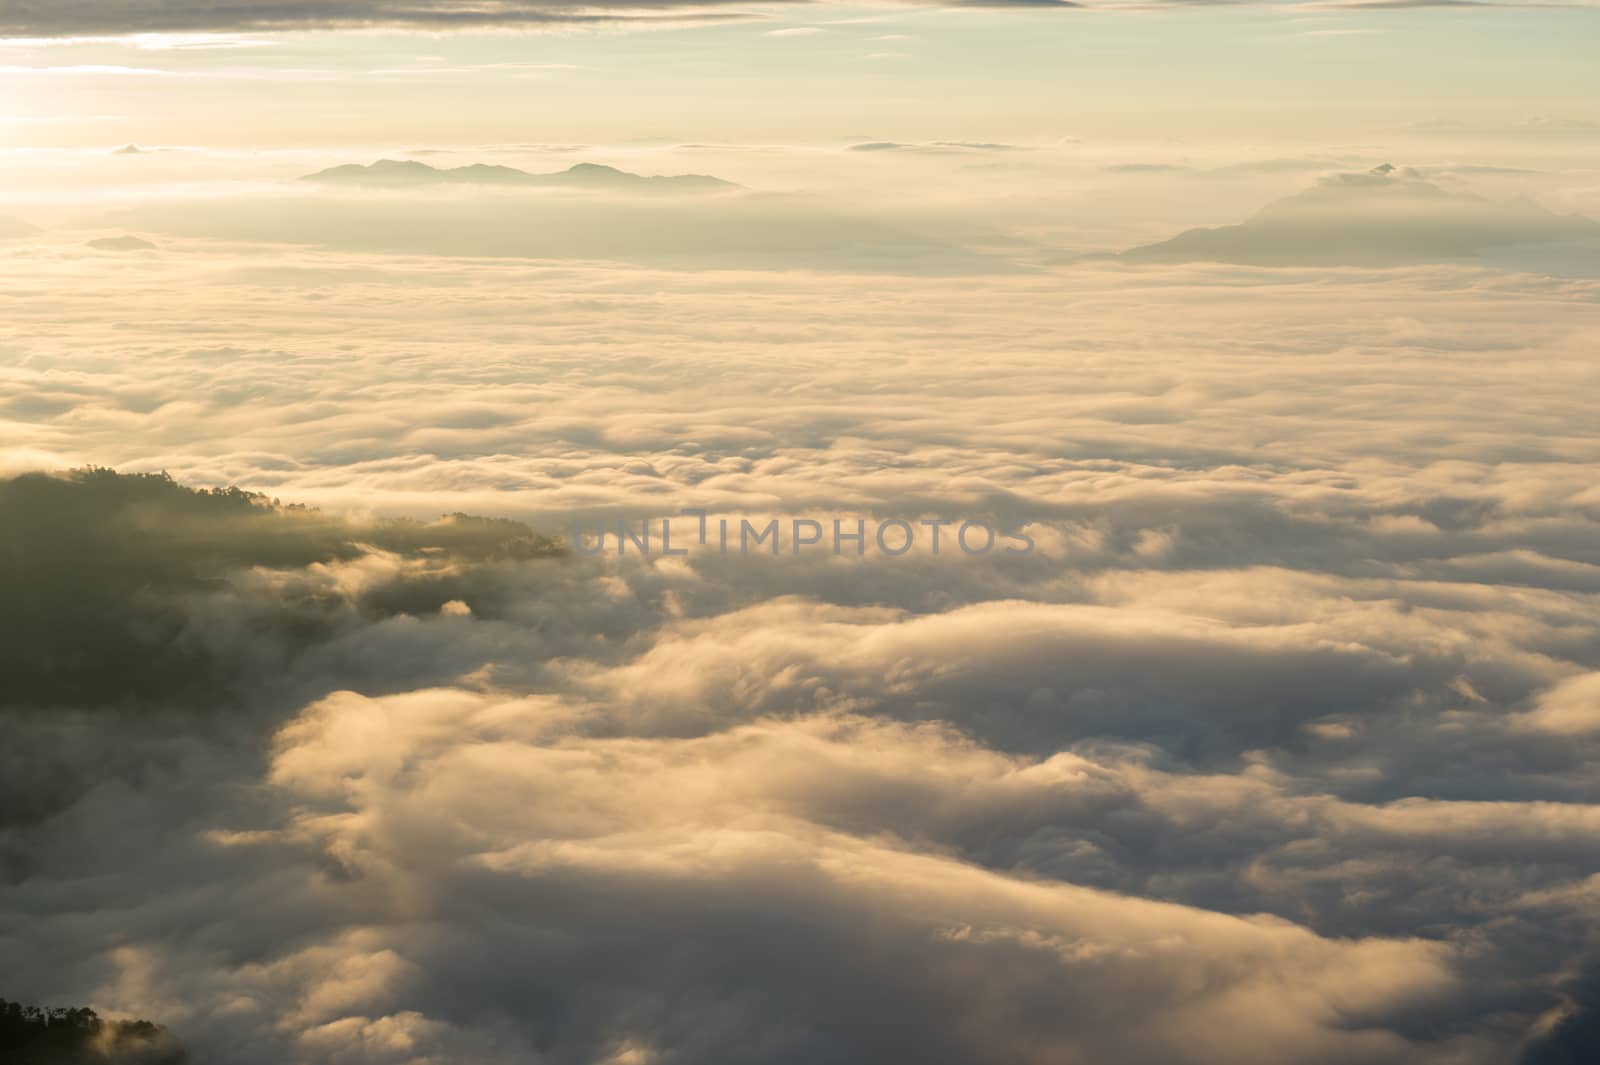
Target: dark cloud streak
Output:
[
  {"x": 103, "y": 18},
  {"x": 99, "y": 18}
]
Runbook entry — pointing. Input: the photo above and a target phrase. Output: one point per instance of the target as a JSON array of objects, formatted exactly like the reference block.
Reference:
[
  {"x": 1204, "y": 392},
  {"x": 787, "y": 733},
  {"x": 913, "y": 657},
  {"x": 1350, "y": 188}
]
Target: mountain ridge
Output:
[
  {"x": 1385, "y": 215},
  {"x": 408, "y": 173}
]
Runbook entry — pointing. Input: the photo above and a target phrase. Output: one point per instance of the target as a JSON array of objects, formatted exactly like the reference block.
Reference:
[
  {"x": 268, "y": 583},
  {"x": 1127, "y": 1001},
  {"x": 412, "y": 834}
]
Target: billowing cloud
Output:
[
  {"x": 1571, "y": 708},
  {"x": 1277, "y": 749}
]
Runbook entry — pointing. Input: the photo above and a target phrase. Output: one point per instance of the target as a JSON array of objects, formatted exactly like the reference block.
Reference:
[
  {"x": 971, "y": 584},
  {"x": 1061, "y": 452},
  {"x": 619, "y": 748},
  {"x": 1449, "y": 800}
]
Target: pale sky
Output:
[{"x": 824, "y": 72}]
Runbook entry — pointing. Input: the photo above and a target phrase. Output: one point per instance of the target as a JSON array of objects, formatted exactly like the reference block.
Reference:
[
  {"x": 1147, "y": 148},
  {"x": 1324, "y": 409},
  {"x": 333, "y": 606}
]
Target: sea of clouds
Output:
[{"x": 1280, "y": 747}]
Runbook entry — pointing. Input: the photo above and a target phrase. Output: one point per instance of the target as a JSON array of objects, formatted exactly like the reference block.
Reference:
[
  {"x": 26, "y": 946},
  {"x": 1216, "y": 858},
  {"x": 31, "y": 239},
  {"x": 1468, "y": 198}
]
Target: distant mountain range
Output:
[
  {"x": 395, "y": 173},
  {"x": 11, "y": 228},
  {"x": 1383, "y": 216},
  {"x": 123, "y": 243}
]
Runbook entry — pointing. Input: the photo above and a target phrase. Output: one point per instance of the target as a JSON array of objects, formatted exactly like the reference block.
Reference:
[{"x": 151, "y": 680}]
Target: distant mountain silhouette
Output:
[
  {"x": 11, "y": 228},
  {"x": 1383, "y": 216},
  {"x": 395, "y": 173},
  {"x": 124, "y": 243}
]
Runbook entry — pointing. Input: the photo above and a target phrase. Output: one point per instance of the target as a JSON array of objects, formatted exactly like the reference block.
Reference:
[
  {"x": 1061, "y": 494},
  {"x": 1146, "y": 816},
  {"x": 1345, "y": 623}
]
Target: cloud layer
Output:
[{"x": 1280, "y": 749}]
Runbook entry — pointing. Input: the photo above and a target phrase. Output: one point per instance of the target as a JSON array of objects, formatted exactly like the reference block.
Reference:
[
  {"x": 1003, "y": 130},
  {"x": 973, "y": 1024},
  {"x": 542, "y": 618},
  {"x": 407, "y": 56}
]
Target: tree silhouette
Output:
[{"x": 34, "y": 1035}]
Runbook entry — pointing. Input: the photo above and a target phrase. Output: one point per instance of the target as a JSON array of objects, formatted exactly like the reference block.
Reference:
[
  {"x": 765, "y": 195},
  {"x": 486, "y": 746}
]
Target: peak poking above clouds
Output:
[
  {"x": 122, "y": 243},
  {"x": 396, "y": 173},
  {"x": 1383, "y": 216},
  {"x": 12, "y": 228}
]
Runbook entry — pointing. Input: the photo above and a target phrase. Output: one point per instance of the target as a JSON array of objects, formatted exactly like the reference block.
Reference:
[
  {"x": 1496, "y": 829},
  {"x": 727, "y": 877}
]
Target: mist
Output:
[{"x": 335, "y": 735}]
